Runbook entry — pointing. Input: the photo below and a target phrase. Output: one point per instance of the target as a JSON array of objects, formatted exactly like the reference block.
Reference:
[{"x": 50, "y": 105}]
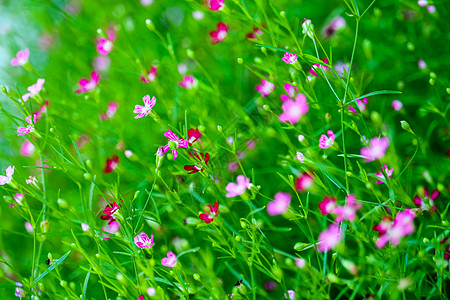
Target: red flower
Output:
[
  {"x": 111, "y": 164},
  {"x": 193, "y": 136},
  {"x": 110, "y": 210},
  {"x": 198, "y": 167},
  {"x": 210, "y": 213}
]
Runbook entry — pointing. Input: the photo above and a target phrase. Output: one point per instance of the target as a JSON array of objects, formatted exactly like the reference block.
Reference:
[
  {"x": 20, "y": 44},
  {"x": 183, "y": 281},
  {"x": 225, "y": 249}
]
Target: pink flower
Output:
[
  {"x": 294, "y": 110},
  {"x": 143, "y": 111},
  {"x": 210, "y": 213},
  {"x": 113, "y": 228},
  {"x": 141, "y": 297},
  {"x": 87, "y": 85},
  {"x": 291, "y": 92},
  {"x": 111, "y": 111},
  {"x": 393, "y": 232},
  {"x": 104, "y": 46},
  {"x": 111, "y": 164},
  {"x": 21, "y": 57},
  {"x": 289, "y": 58},
  {"x": 85, "y": 227},
  {"x": 300, "y": 262},
  {"x": 101, "y": 63},
  {"x": 327, "y": 206},
  {"x": 18, "y": 197},
  {"x": 33, "y": 89},
  {"x": 381, "y": 176},
  {"x": 327, "y": 142},
  {"x": 170, "y": 261},
  {"x": 336, "y": 24},
  {"x": 188, "y": 82},
  {"x": 300, "y": 157},
  {"x": 29, "y": 128},
  {"x": 361, "y": 105},
  {"x": 290, "y": 295},
  {"x": 251, "y": 144},
  {"x": 426, "y": 202},
  {"x": 329, "y": 238},
  {"x": 265, "y": 88},
  {"x": 27, "y": 148},
  {"x": 198, "y": 167},
  {"x": 220, "y": 34},
  {"x": 215, "y": 4},
  {"x": 31, "y": 180},
  {"x": 422, "y": 3},
  {"x": 110, "y": 211},
  {"x": 193, "y": 135},
  {"x": 234, "y": 189},
  {"x": 421, "y": 64},
  {"x": 376, "y": 150},
  {"x": 151, "y": 291},
  {"x": 254, "y": 34},
  {"x": 314, "y": 67},
  {"x": 174, "y": 143},
  {"x": 304, "y": 182},
  {"x": 348, "y": 211},
  {"x": 151, "y": 76},
  {"x": 279, "y": 205},
  {"x": 143, "y": 241},
  {"x": 397, "y": 105}
]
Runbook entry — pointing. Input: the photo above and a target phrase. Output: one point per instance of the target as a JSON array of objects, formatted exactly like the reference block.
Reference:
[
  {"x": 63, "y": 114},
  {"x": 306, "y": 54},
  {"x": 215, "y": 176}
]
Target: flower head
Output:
[
  {"x": 257, "y": 32},
  {"x": 397, "y": 105},
  {"x": 291, "y": 91},
  {"x": 111, "y": 111},
  {"x": 113, "y": 228},
  {"x": 21, "y": 57},
  {"x": 294, "y": 110},
  {"x": 289, "y": 58},
  {"x": 143, "y": 241},
  {"x": 304, "y": 182},
  {"x": 300, "y": 157},
  {"x": 393, "y": 232},
  {"x": 110, "y": 211},
  {"x": 336, "y": 24},
  {"x": 327, "y": 206},
  {"x": 361, "y": 105},
  {"x": 30, "y": 127},
  {"x": 279, "y": 205},
  {"x": 290, "y": 295},
  {"x": 426, "y": 202},
  {"x": 329, "y": 238},
  {"x": 198, "y": 167},
  {"x": 105, "y": 45},
  {"x": 348, "y": 211},
  {"x": 170, "y": 261},
  {"x": 376, "y": 150},
  {"x": 210, "y": 213},
  {"x": 174, "y": 143},
  {"x": 151, "y": 75},
  {"x": 188, "y": 82},
  {"x": 234, "y": 189},
  {"x": 33, "y": 89},
  {"x": 87, "y": 85},
  {"x": 265, "y": 88},
  {"x": 143, "y": 111},
  {"x": 327, "y": 141},
  {"x": 220, "y": 34},
  {"x": 381, "y": 176},
  {"x": 27, "y": 148},
  {"x": 111, "y": 164},
  {"x": 215, "y": 5},
  {"x": 193, "y": 136}
]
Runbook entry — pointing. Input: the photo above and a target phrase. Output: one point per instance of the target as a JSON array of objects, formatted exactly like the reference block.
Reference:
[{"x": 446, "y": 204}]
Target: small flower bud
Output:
[
  {"x": 308, "y": 28},
  {"x": 266, "y": 107},
  {"x": 448, "y": 91},
  {"x": 63, "y": 283},
  {"x": 150, "y": 24},
  {"x": 283, "y": 14},
  {"x": 243, "y": 224},
  {"x": 197, "y": 277},
  {"x": 258, "y": 60},
  {"x": 264, "y": 50},
  {"x": 238, "y": 238},
  {"x": 62, "y": 203},
  {"x": 240, "y": 61},
  {"x": 410, "y": 46},
  {"x": 432, "y": 81},
  {"x": 219, "y": 128},
  {"x": 433, "y": 75},
  {"x": 4, "y": 90},
  {"x": 190, "y": 53},
  {"x": 87, "y": 176},
  {"x": 406, "y": 127}
]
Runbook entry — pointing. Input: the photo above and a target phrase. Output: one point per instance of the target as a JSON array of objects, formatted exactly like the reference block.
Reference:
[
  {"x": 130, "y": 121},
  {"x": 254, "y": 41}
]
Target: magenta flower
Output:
[
  {"x": 393, "y": 232},
  {"x": 234, "y": 189},
  {"x": 376, "y": 150},
  {"x": 113, "y": 228},
  {"x": 361, "y": 105},
  {"x": 110, "y": 211},
  {"x": 151, "y": 76},
  {"x": 141, "y": 297},
  {"x": 289, "y": 58},
  {"x": 143, "y": 111},
  {"x": 170, "y": 261},
  {"x": 215, "y": 4},
  {"x": 143, "y": 241},
  {"x": 397, "y": 105},
  {"x": 327, "y": 142},
  {"x": 327, "y": 206},
  {"x": 188, "y": 82},
  {"x": 314, "y": 68},
  {"x": 30, "y": 127},
  {"x": 21, "y": 58},
  {"x": 111, "y": 164},
  {"x": 85, "y": 227},
  {"x": 348, "y": 211},
  {"x": 193, "y": 135},
  {"x": 8, "y": 178},
  {"x": 381, "y": 176},
  {"x": 446, "y": 244},
  {"x": 265, "y": 88},
  {"x": 290, "y": 295},
  {"x": 300, "y": 157},
  {"x": 291, "y": 92},
  {"x": 426, "y": 202},
  {"x": 33, "y": 89},
  {"x": 27, "y": 148},
  {"x": 174, "y": 143},
  {"x": 87, "y": 85},
  {"x": 294, "y": 110},
  {"x": 329, "y": 238},
  {"x": 210, "y": 213},
  {"x": 220, "y": 34},
  {"x": 304, "y": 182},
  {"x": 257, "y": 32},
  {"x": 197, "y": 167},
  {"x": 111, "y": 111},
  {"x": 279, "y": 205},
  {"x": 104, "y": 46}
]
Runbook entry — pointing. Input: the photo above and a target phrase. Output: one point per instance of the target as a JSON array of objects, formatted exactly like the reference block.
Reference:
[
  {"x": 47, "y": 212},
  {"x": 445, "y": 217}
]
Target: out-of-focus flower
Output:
[
  {"x": 327, "y": 141},
  {"x": 30, "y": 127},
  {"x": 31, "y": 180},
  {"x": 376, "y": 150},
  {"x": 291, "y": 91},
  {"x": 279, "y": 205},
  {"x": 348, "y": 211},
  {"x": 21, "y": 57},
  {"x": 397, "y": 105},
  {"x": 33, "y": 89},
  {"x": 393, "y": 232},
  {"x": 421, "y": 64},
  {"x": 381, "y": 176},
  {"x": 188, "y": 82},
  {"x": 265, "y": 88},
  {"x": 198, "y": 167},
  {"x": 361, "y": 105},
  {"x": 289, "y": 58},
  {"x": 300, "y": 262},
  {"x": 170, "y": 261},
  {"x": 257, "y": 32},
  {"x": 327, "y": 205},
  {"x": 300, "y": 157},
  {"x": 304, "y": 182},
  {"x": 294, "y": 110},
  {"x": 111, "y": 111},
  {"x": 85, "y": 227},
  {"x": 215, "y": 4},
  {"x": 210, "y": 213},
  {"x": 151, "y": 75},
  {"x": 329, "y": 238},
  {"x": 101, "y": 63},
  {"x": 146, "y": 3},
  {"x": 111, "y": 164},
  {"x": 27, "y": 148},
  {"x": 220, "y": 34},
  {"x": 112, "y": 228},
  {"x": 426, "y": 202},
  {"x": 234, "y": 189},
  {"x": 332, "y": 27},
  {"x": 198, "y": 15},
  {"x": 105, "y": 45},
  {"x": 290, "y": 295},
  {"x": 315, "y": 67},
  {"x": 87, "y": 85}
]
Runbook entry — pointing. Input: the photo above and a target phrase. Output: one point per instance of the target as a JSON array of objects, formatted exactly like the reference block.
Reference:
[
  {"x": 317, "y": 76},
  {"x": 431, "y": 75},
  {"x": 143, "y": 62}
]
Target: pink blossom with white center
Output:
[
  {"x": 104, "y": 46},
  {"x": 21, "y": 57},
  {"x": 327, "y": 206},
  {"x": 232, "y": 166},
  {"x": 101, "y": 63},
  {"x": 113, "y": 228},
  {"x": 403, "y": 225},
  {"x": 146, "y": 2},
  {"x": 304, "y": 182},
  {"x": 215, "y": 4},
  {"x": 397, "y": 105},
  {"x": 300, "y": 157},
  {"x": 174, "y": 143},
  {"x": 27, "y": 148},
  {"x": 87, "y": 85},
  {"x": 220, "y": 34},
  {"x": 210, "y": 213},
  {"x": 143, "y": 111},
  {"x": 265, "y": 88},
  {"x": 151, "y": 291},
  {"x": 421, "y": 64},
  {"x": 151, "y": 75},
  {"x": 279, "y": 205},
  {"x": 348, "y": 211},
  {"x": 30, "y": 128},
  {"x": 376, "y": 150},
  {"x": 426, "y": 202},
  {"x": 315, "y": 67},
  {"x": 301, "y": 138},
  {"x": 431, "y": 9},
  {"x": 128, "y": 153},
  {"x": 33, "y": 89},
  {"x": 29, "y": 228},
  {"x": 111, "y": 111},
  {"x": 381, "y": 176},
  {"x": 85, "y": 227},
  {"x": 289, "y": 58},
  {"x": 361, "y": 105},
  {"x": 294, "y": 110},
  {"x": 31, "y": 180},
  {"x": 291, "y": 92},
  {"x": 234, "y": 189},
  {"x": 327, "y": 141},
  {"x": 422, "y": 2},
  {"x": 329, "y": 238},
  {"x": 143, "y": 241},
  {"x": 170, "y": 261},
  {"x": 188, "y": 82},
  {"x": 290, "y": 295},
  {"x": 300, "y": 262}
]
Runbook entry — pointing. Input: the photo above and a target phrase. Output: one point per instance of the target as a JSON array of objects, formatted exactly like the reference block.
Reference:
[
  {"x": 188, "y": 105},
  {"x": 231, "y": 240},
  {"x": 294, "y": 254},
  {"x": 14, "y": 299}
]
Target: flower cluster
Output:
[{"x": 394, "y": 231}]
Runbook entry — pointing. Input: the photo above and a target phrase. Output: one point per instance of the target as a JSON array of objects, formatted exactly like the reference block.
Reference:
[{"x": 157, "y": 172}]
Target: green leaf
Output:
[
  {"x": 52, "y": 267},
  {"x": 315, "y": 60}
]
